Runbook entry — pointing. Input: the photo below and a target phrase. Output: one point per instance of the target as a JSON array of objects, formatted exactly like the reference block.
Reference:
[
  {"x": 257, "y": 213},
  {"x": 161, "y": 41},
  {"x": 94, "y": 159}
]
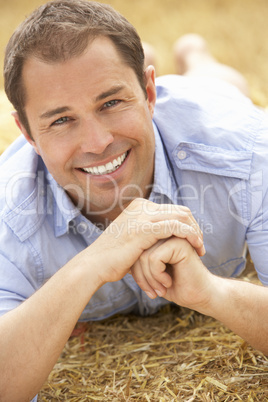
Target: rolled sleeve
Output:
[{"x": 14, "y": 286}]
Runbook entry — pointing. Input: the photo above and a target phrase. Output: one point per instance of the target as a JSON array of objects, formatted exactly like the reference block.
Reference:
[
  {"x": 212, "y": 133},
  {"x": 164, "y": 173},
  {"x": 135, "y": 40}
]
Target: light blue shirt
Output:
[{"x": 211, "y": 155}]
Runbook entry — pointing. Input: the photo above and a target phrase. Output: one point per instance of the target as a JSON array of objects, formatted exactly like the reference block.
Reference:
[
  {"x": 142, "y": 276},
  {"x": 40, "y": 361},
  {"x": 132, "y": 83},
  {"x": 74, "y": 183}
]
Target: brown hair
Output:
[{"x": 60, "y": 30}]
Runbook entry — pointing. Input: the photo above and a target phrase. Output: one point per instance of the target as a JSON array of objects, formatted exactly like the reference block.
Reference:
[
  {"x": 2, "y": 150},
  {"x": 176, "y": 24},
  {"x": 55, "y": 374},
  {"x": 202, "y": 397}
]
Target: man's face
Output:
[{"x": 92, "y": 126}]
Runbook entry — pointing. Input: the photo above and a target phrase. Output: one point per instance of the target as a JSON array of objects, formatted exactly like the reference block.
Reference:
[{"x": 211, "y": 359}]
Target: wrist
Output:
[
  {"x": 87, "y": 267},
  {"x": 219, "y": 290}
]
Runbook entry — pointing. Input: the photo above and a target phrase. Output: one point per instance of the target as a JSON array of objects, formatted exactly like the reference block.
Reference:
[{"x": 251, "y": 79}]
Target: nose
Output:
[{"x": 94, "y": 136}]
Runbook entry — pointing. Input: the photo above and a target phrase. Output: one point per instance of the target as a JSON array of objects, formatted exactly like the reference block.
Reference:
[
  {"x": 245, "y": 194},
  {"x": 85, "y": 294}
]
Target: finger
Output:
[
  {"x": 148, "y": 210},
  {"x": 153, "y": 269},
  {"x": 186, "y": 216},
  {"x": 183, "y": 214},
  {"x": 156, "y": 278},
  {"x": 141, "y": 281},
  {"x": 168, "y": 228},
  {"x": 201, "y": 251}
]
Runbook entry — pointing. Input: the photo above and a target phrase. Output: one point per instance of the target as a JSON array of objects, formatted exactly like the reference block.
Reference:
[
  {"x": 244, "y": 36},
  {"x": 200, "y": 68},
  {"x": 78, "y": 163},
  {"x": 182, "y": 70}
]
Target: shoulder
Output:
[
  {"x": 218, "y": 129},
  {"x": 208, "y": 112},
  {"x": 20, "y": 181},
  {"x": 18, "y": 166},
  {"x": 197, "y": 89}
]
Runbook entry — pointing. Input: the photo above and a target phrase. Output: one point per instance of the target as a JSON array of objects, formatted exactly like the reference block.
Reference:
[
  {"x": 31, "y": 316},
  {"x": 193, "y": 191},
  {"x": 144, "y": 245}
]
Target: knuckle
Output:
[
  {"x": 144, "y": 258},
  {"x": 185, "y": 209},
  {"x": 140, "y": 206},
  {"x": 152, "y": 258},
  {"x": 141, "y": 284},
  {"x": 137, "y": 201},
  {"x": 183, "y": 217},
  {"x": 133, "y": 205}
]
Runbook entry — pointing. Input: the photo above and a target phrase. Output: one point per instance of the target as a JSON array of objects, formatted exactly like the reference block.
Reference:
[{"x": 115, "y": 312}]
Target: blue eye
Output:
[
  {"x": 111, "y": 103},
  {"x": 61, "y": 120}
]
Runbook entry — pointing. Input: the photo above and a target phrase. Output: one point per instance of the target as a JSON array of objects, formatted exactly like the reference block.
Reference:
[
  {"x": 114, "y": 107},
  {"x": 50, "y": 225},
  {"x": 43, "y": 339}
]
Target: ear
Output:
[
  {"x": 24, "y": 131},
  {"x": 149, "y": 74}
]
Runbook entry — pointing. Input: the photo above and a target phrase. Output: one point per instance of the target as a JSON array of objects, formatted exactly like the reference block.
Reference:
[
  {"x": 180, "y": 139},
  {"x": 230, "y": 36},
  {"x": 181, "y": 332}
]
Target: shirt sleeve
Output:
[
  {"x": 14, "y": 286},
  {"x": 257, "y": 205}
]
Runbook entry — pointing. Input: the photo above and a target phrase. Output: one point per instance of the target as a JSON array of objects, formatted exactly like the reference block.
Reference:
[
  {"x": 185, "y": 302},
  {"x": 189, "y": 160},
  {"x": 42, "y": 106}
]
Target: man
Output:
[{"x": 102, "y": 181}]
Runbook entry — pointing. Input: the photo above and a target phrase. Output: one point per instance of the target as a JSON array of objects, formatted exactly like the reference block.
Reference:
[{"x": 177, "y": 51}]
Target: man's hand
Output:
[
  {"x": 137, "y": 229},
  {"x": 172, "y": 269}
]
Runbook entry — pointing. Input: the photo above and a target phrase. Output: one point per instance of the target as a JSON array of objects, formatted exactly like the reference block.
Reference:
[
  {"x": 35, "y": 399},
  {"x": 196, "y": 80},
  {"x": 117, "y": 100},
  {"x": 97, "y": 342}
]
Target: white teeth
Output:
[
  {"x": 114, "y": 163},
  {"x": 101, "y": 169},
  {"x": 108, "y": 167}
]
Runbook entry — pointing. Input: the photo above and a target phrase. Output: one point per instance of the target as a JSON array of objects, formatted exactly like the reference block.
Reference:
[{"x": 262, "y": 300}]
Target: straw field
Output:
[{"x": 177, "y": 354}]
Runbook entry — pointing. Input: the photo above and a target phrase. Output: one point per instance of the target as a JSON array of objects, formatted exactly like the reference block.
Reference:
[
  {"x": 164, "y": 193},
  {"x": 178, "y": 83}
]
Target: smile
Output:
[{"x": 109, "y": 167}]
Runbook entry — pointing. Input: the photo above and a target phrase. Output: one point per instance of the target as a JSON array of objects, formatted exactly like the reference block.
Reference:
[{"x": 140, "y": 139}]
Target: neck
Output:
[{"x": 104, "y": 219}]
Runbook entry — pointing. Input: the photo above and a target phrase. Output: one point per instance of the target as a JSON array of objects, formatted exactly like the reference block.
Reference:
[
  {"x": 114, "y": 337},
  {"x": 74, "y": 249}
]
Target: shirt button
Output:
[{"x": 182, "y": 155}]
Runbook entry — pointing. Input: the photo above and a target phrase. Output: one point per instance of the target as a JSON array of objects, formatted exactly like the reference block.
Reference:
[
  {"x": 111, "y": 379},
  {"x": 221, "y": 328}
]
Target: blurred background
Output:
[{"x": 236, "y": 31}]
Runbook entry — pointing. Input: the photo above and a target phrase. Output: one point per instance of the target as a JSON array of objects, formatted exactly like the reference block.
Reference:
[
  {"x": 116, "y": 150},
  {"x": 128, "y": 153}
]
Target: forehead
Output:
[{"x": 98, "y": 66}]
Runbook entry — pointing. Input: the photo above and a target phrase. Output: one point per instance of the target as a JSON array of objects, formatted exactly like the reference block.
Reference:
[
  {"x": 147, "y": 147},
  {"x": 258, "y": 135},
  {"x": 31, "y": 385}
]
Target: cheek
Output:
[
  {"x": 55, "y": 157},
  {"x": 138, "y": 126}
]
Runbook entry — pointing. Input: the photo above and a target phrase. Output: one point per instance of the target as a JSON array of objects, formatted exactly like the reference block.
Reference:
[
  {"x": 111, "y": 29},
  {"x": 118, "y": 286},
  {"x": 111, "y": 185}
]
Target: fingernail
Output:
[
  {"x": 149, "y": 294},
  {"x": 203, "y": 250},
  {"x": 200, "y": 241},
  {"x": 158, "y": 292}
]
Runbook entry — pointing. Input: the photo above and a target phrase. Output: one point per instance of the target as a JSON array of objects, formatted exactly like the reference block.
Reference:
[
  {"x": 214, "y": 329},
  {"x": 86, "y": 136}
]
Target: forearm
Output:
[
  {"x": 242, "y": 307},
  {"x": 33, "y": 335}
]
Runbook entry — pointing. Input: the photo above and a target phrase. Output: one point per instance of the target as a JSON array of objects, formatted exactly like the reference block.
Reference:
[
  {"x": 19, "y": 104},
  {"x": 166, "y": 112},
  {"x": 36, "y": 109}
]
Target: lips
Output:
[{"x": 108, "y": 167}]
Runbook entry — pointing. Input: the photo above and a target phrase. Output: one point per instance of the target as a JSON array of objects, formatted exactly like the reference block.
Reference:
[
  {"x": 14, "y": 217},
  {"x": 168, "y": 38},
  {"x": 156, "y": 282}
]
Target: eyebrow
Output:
[
  {"x": 113, "y": 91},
  {"x": 53, "y": 112}
]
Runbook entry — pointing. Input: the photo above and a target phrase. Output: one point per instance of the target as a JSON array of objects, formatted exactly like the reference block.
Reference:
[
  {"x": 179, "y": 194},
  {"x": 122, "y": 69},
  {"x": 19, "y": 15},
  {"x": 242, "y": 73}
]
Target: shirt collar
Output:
[
  {"x": 66, "y": 214},
  {"x": 64, "y": 211},
  {"x": 164, "y": 187}
]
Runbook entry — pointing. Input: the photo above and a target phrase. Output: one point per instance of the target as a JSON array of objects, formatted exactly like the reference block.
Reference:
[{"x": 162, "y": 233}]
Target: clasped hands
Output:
[{"x": 162, "y": 244}]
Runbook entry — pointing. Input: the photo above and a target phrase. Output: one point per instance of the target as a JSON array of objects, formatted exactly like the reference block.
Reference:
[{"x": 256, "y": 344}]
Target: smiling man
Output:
[
  {"x": 93, "y": 109},
  {"x": 111, "y": 176}
]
